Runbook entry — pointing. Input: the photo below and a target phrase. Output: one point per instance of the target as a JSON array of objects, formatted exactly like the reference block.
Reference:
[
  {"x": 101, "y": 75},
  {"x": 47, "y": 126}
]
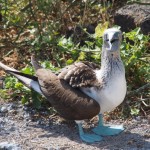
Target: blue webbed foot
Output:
[
  {"x": 89, "y": 138},
  {"x": 107, "y": 130}
]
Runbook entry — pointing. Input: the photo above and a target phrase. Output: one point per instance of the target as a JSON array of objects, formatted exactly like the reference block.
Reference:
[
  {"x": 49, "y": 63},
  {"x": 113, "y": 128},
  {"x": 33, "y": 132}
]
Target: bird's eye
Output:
[{"x": 114, "y": 40}]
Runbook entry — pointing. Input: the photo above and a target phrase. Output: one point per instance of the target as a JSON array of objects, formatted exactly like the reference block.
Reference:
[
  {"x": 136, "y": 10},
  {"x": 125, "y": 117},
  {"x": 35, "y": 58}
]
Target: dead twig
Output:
[
  {"x": 138, "y": 90},
  {"x": 146, "y": 105},
  {"x": 141, "y": 3},
  {"x": 145, "y": 114}
]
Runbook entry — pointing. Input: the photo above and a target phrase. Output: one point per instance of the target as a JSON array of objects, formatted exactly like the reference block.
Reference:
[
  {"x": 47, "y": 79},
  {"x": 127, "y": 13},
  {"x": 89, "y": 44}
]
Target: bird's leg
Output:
[
  {"x": 103, "y": 130},
  {"x": 89, "y": 138}
]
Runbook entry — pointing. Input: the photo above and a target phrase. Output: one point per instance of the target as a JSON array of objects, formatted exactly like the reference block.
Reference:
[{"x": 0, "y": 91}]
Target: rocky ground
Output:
[{"x": 23, "y": 128}]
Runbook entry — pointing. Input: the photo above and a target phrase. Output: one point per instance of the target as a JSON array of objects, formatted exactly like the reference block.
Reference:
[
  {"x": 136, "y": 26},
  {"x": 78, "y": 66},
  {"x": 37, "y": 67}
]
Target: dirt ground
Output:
[{"x": 27, "y": 129}]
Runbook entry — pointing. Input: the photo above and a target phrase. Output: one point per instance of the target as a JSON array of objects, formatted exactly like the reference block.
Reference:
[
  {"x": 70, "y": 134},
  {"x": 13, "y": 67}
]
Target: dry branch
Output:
[{"x": 138, "y": 90}]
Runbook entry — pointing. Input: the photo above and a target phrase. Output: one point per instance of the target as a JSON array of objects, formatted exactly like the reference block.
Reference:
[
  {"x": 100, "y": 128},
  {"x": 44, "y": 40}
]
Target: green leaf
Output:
[
  {"x": 18, "y": 85},
  {"x": 134, "y": 111},
  {"x": 82, "y": 56},
  {"x": 140, "y": 36},
  {"x": 24, "y": 100},
  {"x": 10, "y": 82},
  {"x": 27, "y": 70},
  {"x": 69, "y": 61},
  {"x": 99, "y": 30}
]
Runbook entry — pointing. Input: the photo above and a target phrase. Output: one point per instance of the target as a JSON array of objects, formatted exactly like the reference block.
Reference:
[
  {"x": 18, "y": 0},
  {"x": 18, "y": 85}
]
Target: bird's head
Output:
[{"x": 112, "y": 39}]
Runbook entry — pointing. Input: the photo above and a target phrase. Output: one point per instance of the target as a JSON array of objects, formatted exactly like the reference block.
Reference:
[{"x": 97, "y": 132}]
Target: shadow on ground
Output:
[{"x": 131, "y": 138}]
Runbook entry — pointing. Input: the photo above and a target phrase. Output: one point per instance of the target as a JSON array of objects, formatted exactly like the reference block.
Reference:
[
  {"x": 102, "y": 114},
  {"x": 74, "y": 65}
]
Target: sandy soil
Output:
[{"x": 30, "y": 130}]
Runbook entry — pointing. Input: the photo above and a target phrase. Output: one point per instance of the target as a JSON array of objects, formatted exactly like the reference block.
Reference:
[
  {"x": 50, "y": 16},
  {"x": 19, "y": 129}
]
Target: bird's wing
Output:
[
  {"x": 80, "y": 74},
  {"x": 69, "y": 102}
]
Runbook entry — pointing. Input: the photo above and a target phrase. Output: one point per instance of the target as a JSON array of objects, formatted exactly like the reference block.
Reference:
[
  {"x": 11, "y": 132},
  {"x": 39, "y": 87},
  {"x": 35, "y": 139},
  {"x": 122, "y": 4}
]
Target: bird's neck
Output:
[{"x": 111, "y": 63}]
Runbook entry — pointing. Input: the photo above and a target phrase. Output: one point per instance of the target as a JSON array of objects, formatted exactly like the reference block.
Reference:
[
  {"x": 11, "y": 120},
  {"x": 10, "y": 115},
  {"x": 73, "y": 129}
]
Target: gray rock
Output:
[
  {"x": 25, "y": 108},
  {"x": 9, "y": 146},
  {"x": 3, "y": 109},
  {"x": 131, "y": 16},
  {"x": 12, "y": 129},
  {"x": 2, "y": 123},
  {"x": 11, "y": 106},
  {"x": 145, "y": 121},
  {"x": 7, "y": 107},
  {"x": 138, "y": 118},
  {"x": 26, "y": 116}
]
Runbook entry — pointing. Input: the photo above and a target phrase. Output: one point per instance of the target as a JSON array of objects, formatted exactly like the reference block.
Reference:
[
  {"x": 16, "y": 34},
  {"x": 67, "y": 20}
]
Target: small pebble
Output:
[
  {"x": 138, "y": 118},
  {"x": 2, "y": 123},
  {"x": 3, "y": 109},
  {"x": 10, "y": 107},
  {"x": 12, "y": 129},
  {"x": 9, "y": 146},
  {"x": 25, "y": 108},
  {"x": 40, "y": 122},
  {"x": 145, "y": 121},
  {"x": 26, "y": 115}
]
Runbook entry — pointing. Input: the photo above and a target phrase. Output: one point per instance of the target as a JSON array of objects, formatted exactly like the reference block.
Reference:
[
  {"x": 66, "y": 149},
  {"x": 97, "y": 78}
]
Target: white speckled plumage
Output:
[{"x": 111, "y": 75}]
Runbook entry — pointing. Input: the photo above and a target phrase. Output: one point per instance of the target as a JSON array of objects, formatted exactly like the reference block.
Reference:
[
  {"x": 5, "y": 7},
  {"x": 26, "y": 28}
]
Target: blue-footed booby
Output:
[{"x": 82, "y": 90}]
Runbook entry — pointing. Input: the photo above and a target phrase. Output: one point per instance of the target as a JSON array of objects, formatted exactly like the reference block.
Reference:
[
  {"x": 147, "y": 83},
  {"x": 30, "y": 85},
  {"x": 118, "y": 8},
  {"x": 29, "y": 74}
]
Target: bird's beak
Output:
[{"x": 112, "y": 42}]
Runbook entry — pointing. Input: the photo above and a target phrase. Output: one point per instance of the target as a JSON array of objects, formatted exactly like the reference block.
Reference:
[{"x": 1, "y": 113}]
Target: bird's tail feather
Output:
[
  {"x": 34, "y": 78},
  {"x": 6, "y": 67},
  {"x": 28, "y": 80},
  {"x": 35, "y": 63}
]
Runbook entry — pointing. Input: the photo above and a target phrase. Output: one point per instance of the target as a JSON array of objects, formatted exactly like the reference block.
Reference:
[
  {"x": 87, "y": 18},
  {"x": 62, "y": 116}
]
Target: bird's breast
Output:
[{"x": 110, "y": 95}]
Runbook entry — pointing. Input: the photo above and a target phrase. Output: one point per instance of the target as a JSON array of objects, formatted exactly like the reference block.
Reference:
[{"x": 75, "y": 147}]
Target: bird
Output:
[{"x": 105, "y": 86}]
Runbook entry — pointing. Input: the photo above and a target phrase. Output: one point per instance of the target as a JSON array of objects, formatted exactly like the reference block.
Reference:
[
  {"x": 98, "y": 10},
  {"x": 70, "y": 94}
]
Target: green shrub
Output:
[{"x": 41, "y": 27}]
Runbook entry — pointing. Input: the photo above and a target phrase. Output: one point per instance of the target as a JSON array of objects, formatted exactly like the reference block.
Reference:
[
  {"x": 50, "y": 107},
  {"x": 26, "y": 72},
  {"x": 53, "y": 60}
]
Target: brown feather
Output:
[
  {"x": 70, "y": 103},
  {"x": 80, "y": 74}
]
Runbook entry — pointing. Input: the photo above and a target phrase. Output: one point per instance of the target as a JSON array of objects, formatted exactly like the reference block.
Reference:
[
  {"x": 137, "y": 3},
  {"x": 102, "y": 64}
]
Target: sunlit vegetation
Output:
[{"x": 61, "y": 32}]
